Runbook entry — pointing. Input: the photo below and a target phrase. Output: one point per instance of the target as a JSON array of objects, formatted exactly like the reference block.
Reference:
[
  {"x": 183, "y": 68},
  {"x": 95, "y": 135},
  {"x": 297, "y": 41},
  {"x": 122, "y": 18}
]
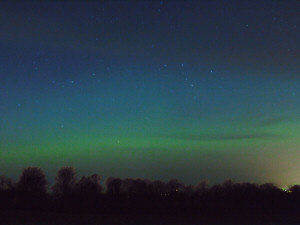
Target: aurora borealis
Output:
[{"x": 194, "y": 90}]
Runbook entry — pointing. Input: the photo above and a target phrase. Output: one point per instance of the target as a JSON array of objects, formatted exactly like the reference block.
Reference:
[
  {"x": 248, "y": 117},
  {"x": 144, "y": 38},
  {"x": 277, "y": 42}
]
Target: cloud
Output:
[
  {"x": 273, "y": 121},
  {"x": 225, "y": 137}
]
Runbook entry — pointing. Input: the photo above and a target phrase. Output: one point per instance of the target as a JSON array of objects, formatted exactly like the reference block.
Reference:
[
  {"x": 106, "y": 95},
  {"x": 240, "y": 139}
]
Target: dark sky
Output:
[{"x": 194, "y": 90}]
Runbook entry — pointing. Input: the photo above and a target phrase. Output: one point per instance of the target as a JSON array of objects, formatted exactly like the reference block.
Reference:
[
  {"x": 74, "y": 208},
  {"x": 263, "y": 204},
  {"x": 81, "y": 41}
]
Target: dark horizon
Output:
[
  {"x": 51, "y": 179},
  {"x": 103, "y": 182},
  {"x": 141, "y": 196}
]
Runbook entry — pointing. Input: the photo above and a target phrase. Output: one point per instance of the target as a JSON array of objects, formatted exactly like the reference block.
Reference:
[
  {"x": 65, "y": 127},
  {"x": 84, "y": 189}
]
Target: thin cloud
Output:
[
  {"x": 226, "y": 137},
  {"x": 272, "y": 121}
]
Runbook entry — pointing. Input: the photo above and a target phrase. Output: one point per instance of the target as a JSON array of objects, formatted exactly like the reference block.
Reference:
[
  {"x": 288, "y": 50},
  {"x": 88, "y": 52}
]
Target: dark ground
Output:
[{"x": 43, "y": 218}]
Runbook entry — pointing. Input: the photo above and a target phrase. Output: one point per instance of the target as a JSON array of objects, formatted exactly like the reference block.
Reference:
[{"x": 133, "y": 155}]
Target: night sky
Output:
[{"x": 194, "y": 90}]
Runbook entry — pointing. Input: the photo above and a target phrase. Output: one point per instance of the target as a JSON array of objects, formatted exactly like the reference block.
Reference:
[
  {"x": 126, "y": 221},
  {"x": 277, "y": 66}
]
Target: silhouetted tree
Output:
[
  {"x": 32, "y": 188},
  {"x": 143, "y": 196},
  {"x": 33, "y": 181},
  {"x": 113, "y": 185},
  {"x": 6, "y": 184},
  {"x": 295, "y": 189},
  {"x": 88, "y": 190},
  {"x": 89, "y": 185},
  {"x": 134, "y": 186},
  {"x": 272, "y": 198},
  {"x": 65, "y": 182},
  {"x": 201, "y": 187},
  {"x": 174, "y": 186},
  {"x": 158, "y": 187},
  {"x": 7, "y": 193},
  {"x": 294, "y": 196}
]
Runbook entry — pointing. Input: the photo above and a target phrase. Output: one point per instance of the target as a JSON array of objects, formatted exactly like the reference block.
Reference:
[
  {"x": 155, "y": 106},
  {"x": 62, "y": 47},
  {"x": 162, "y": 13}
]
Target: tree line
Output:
[{"x": 32, "y": 192}]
